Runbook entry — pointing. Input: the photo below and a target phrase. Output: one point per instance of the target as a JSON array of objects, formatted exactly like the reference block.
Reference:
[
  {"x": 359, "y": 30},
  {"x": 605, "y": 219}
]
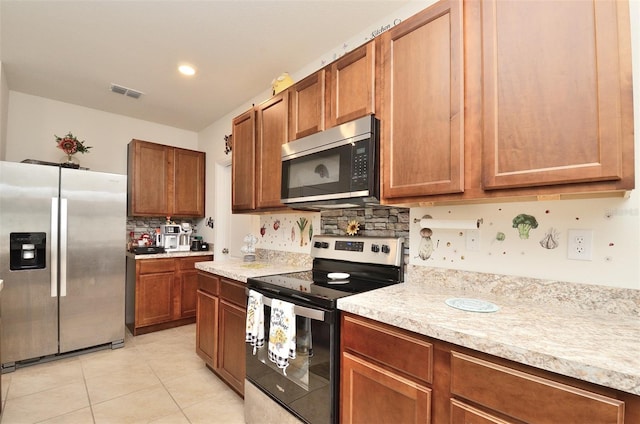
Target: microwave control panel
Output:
[{"x": 360, "y": 166}]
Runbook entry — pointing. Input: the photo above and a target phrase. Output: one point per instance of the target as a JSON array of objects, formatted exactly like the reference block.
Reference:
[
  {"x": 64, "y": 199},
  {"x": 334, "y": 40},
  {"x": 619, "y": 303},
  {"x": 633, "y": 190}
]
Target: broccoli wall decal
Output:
[{"x": 524, "y": 223}]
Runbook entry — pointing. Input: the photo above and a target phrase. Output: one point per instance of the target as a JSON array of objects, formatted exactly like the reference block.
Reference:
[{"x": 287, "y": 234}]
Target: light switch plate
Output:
[{"x": 473, "y": 240}]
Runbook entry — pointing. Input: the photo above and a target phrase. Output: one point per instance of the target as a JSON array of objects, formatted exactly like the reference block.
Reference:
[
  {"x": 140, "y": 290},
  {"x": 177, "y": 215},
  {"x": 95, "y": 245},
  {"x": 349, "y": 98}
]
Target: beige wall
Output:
[
  {"x": 4, "y": 106},
  {"x": 33, "y": 121}
]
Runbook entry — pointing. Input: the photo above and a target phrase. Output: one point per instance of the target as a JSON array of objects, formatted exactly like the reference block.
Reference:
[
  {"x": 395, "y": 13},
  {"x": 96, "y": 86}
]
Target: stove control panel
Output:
[{"x": 375, "y": 250}]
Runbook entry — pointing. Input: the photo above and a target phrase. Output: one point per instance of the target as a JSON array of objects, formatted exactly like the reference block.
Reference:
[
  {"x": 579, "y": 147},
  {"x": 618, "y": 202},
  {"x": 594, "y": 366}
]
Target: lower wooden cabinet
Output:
[
  {"x": 392, "y": 375},
  {"x": 161, "y": 293},
  {"x": 373, "y": 394},
  {"x": 220, "y": 327},
  {"x": 527, "y": 397},
  {"x": 207, "y": 318},
  {"x": 386, "y": 374}
]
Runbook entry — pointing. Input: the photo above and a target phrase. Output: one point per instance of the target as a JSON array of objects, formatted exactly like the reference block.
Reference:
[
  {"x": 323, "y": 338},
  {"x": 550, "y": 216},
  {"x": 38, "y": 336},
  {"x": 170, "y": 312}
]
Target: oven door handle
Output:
[{"x": 303, "y": 311}]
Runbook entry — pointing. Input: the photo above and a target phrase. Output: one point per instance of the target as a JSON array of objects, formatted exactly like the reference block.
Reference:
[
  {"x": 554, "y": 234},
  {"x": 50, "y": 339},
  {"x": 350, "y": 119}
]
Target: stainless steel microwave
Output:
[{"x": 335, "y": 168}]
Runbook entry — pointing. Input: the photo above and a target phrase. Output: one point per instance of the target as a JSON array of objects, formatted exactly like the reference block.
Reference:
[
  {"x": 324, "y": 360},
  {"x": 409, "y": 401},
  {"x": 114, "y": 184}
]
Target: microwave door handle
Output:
[{"x": 303, "y": 311}]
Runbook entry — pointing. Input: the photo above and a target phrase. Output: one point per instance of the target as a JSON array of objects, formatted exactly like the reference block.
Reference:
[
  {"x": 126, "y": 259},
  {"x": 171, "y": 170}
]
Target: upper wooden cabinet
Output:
[
  {"x": 555, "y": 101},
  {"x": 271, "y": 134},
  {"x": 423, "y": 104},
  {"x": 351, "y": 86},
  {"x": 165, "y": 180},
  {"x": 243, "y": 162},
  {"x": 258, "y": 136},
  {"x": 189, "y": 182},
  {"x": 478, "y": 104},
  {"x": 306, "y": 106}
]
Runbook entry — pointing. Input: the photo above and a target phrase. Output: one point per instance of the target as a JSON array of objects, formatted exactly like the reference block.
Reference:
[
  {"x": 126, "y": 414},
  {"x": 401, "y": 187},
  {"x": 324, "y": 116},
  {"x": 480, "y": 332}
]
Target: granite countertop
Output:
[
  {"x": 593, "y": 346},
  {"x": 180, "y": 254},
  {"x": 237, "y": 269}
]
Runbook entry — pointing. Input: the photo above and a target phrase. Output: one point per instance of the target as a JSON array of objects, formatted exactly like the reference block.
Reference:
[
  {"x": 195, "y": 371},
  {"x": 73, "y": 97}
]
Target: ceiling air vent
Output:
[{"x": 126, "y": 91}]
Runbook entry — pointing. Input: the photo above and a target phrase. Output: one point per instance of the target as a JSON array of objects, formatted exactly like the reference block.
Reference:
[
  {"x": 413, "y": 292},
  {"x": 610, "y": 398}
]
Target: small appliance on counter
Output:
[
  {"x": 169, "y": 236},
  {"x": 147, "y": 250},
  {"x": 184, "y": 242},
  {"x": 197, "y": 245}
]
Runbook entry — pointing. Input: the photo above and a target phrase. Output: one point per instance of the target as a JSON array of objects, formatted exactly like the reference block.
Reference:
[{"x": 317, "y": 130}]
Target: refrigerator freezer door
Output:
[
  {"x": 29, "y": 312},
  {"x": 93, "y": 293}
]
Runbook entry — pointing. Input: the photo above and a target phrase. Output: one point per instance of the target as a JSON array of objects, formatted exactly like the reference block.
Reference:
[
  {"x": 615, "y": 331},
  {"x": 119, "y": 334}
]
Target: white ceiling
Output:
[{"x": 73, "y": 50}]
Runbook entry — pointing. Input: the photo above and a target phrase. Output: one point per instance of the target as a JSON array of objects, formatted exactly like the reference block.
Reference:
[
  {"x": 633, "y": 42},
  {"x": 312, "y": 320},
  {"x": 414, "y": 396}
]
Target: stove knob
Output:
[
  {"x": 325, "y": 245},
  {"x": 375, "y": 248},
  {"x": 317, "y": 245},
  {"x": 385, "y": 249}
]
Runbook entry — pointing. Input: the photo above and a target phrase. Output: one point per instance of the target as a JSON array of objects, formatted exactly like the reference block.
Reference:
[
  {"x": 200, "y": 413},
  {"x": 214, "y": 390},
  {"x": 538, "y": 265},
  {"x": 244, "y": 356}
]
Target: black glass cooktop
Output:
[{"x": 316, "y": 288}]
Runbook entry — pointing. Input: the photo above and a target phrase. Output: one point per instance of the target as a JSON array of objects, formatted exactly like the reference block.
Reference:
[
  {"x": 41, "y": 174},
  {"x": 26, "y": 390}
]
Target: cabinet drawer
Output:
[
  {"x": 209, "y": 283},
  {"x": 234, "y": 292},
  {"x": 189, "y": 263},
  {"x": 389, "y": 346},
  {"x": 152, "y": 266},
  {"x": 463, "y": 413},
  {"x": 528, "y": 397}
]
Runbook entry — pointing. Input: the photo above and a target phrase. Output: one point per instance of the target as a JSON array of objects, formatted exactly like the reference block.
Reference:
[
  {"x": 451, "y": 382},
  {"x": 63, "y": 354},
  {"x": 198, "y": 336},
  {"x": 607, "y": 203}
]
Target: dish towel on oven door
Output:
[
  {"x": 255, "y": 320},
  {"x": 282, "y": 334}
]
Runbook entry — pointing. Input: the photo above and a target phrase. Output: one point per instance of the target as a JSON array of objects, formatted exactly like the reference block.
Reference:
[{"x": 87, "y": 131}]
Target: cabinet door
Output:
[
  {"x": 207, "y": 328},
  {"x": 271, "y": 134},
  {"x": 243, "y": 163},
  {"x": 352, "y": 85},
  {"x": 306, "y": 106},
  {"x": 154, "y": 298},
  {"x": 371, "y": 394},
  {"x": 553, "y": 98},
  {"x": 148, "y": 178},
  {"x": 231, "y": 345},
  {"x": 188, "y": 289},
  {"x": 423, "y": 104},
  {"x": 188, "y": 183}
]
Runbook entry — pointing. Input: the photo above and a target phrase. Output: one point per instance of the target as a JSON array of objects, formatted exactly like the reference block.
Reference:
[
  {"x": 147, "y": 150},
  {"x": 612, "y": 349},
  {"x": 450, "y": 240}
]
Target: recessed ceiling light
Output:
[{"x": 186, "y": 70}]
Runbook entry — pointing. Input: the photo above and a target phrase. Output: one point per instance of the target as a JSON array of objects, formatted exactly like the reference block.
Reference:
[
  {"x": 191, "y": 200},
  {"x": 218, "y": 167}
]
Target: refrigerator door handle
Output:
[
  {"x": 63, "y": 247},
  {"x": 54, "y": 247}
]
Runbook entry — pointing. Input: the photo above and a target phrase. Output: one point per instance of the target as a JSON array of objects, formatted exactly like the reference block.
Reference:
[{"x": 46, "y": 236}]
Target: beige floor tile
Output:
[
  {"x": 108, "y": 361},
  {"x": 36, "y": 378},
  {"x": 6, "y": 381},
  {"x": 80, "y": 416},
  {"x": 45, "y": 404},
  {"x": 120, "y": 382},
  {"x": 176, "y": 418},
  {"x": 222, "y": 410},
  {"x": 175, "y": 364},
  {"x": 147, "y": 381},
  {"x": 143, "y": 406},
  {"x": 194, "y": 387}
]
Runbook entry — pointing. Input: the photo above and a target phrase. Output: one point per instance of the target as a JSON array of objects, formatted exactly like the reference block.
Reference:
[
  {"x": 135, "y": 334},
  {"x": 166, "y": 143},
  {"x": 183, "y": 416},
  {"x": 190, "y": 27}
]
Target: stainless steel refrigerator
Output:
[{"x": 62, "y": 243}]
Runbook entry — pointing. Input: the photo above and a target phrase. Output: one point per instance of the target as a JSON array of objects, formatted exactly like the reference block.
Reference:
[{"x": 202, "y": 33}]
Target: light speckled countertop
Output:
[
  {"x": 237, "y": 269},
  {"x": 589, "y": 345},
  {"x": 181, "y": 254}
]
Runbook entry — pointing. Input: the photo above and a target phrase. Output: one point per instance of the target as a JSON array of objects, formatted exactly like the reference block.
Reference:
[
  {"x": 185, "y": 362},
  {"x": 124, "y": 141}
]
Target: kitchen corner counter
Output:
[
  {"x": 237, "y": 269},
  {"x": 592, "y": 346},
  {"x": 180, "y": 254}
]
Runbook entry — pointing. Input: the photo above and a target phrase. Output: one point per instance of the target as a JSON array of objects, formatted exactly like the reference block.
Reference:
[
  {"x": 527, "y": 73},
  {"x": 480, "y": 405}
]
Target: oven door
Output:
[{"x": 308, "y": 387}]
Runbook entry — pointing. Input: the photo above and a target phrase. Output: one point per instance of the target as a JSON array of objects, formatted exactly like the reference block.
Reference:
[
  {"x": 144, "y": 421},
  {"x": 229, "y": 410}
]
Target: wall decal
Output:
[
  {"x": 524, "y": 223},
  {"x": 550, "y": 240},
  {"x": 426, "y": 244}
]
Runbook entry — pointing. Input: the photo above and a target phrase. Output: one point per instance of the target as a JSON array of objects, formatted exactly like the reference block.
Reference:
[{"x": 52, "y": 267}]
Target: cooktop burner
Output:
[{"x": 341, "y": 258}]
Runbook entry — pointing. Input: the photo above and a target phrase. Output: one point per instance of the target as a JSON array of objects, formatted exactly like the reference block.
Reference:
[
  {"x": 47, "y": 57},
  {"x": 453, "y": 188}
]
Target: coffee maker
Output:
[
  {"x": 184, "y": 242},
  {"x": 169, "y": 237}
]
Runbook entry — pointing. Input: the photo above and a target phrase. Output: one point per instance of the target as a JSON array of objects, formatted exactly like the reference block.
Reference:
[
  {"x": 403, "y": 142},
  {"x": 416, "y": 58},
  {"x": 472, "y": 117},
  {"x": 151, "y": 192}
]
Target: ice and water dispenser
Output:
[{"x": 27, "y": 251}]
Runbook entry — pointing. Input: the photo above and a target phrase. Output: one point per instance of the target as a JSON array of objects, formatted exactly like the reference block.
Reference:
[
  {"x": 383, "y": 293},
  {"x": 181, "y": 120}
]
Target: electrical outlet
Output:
[
  {"x": 580, "y": 244},
  {"x": 473, "y": 240}
]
